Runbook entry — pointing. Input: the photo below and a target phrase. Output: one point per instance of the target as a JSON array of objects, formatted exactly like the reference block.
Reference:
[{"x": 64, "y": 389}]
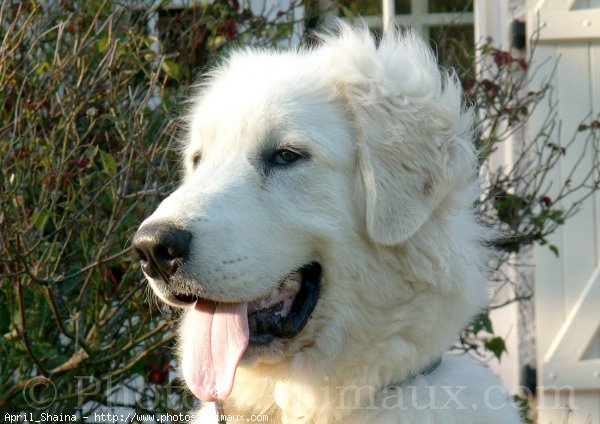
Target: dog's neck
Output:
[{"x": 289, "y": 403}]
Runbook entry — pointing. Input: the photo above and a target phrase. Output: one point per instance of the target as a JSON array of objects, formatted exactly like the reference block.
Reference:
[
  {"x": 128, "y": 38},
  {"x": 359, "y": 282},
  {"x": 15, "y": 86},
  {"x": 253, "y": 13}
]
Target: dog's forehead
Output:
[{"x": 268, "y": 104}]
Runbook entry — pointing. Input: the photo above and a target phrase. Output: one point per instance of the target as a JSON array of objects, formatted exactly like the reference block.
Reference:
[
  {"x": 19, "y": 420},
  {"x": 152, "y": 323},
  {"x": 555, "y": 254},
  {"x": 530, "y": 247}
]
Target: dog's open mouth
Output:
[
  {"x": 218, "y": 334},
  {"x": 285, "y": 312}
]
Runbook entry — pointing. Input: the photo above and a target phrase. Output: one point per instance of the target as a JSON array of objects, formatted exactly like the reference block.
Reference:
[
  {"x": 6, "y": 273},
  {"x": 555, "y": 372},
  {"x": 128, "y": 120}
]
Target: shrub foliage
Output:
[{"x": 89, "y": 97}]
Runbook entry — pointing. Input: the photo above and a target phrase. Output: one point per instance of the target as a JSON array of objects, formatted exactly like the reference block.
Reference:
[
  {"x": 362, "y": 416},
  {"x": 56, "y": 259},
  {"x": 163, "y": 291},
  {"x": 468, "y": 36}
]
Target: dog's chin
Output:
[{"x": 275, "y": 319}]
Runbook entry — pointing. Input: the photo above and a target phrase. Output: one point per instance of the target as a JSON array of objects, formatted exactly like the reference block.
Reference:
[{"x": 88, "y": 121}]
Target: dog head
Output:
[{"x": 302, "y": 170}]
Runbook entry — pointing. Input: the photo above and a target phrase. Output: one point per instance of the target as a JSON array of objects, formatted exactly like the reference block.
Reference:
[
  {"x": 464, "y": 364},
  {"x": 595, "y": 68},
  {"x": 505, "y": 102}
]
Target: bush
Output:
[
  {"x": 89, "y": 105},
  {"x": 520, "y": 201}
]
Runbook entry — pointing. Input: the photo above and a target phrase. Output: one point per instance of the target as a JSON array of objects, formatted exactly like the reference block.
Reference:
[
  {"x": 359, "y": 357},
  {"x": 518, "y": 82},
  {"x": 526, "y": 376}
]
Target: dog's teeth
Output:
[
  {"x": 292, "y": 282},
  {"x": 287, "y": 306},
  {"x": 284, "y": 295}
]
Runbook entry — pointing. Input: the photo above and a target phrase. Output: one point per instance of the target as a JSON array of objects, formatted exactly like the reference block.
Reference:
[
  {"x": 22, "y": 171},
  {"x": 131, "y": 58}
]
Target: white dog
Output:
[{"x": 323, "y": 241}]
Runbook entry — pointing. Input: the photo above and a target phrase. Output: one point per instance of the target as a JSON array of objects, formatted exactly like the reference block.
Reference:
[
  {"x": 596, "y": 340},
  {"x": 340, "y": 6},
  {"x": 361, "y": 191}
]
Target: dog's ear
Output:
[
  {"x": 407, "y": 174},
  {"x": 398, "y": 197},
  {"x": 410, "y": 130}
]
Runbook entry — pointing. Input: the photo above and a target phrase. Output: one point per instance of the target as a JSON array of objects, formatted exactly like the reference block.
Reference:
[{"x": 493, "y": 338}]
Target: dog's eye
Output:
[
  {"x": 196, "y": 159},
  {"x": 285, "y": 157}
]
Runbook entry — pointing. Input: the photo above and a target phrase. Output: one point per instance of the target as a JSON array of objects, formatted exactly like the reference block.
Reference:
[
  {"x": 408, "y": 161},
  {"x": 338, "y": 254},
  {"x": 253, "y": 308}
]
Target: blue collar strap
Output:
[{"x": 431, "y": 367}]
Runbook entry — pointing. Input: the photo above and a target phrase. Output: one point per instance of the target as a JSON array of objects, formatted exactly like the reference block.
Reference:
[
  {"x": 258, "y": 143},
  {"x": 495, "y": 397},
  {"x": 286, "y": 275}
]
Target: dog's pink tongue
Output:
[{"x": 213, "y": 348}]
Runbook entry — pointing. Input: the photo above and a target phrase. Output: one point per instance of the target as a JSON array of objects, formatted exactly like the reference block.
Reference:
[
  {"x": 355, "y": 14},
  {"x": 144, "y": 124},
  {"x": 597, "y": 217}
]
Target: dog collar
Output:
[
  {"x": 428, "y": 369},
  {"x": 431, "y": 367}
]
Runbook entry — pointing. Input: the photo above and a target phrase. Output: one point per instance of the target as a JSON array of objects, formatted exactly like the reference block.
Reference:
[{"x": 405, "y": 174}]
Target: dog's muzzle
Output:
[{"x": 161, "y": 248}]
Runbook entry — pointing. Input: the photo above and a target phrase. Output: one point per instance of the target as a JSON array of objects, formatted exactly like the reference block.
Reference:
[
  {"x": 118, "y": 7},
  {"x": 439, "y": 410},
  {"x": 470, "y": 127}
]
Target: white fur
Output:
[{"x": 384, "y": 204}]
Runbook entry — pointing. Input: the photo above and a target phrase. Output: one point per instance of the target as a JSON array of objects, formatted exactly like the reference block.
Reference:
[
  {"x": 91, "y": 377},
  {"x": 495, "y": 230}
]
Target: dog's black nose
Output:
[{"x": 161, "y": 248}]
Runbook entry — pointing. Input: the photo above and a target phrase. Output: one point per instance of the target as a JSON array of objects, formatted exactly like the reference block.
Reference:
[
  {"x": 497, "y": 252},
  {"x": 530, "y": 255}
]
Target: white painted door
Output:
[{"x": 568, "y": 287}]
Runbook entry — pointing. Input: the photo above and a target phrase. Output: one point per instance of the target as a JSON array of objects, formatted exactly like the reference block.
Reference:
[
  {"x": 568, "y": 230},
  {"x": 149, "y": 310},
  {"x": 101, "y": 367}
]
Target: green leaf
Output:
[
  {"x": 108, "y": 162},
  {"x": 582, "y": 127},
  {"x": 149, "y": 40},
  {"x": 509, "y": 207},
  {"x": 496, "y": 345},
  {"x": 216, "y": 41},
  {"x": 554, "y": 249},
  {"x": 39, "y": 219},
  {"x": 171, "y": 68},
  {"x": 91, "y": 153},
  {"x": 41, "y": 67},
  {"x": 103, "y": 44},
  {"x": 482, "y": 322},
  {"x": 557, "y": 216},
  {"x": 524, "y": 407},
  {"x": 150, "y": 55}
]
